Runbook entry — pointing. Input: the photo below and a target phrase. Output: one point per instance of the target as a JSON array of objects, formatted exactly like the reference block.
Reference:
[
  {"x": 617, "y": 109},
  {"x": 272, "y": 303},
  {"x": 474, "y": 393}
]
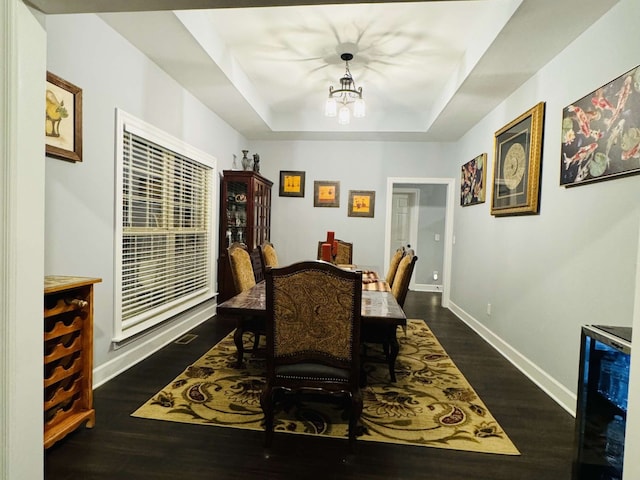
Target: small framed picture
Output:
[
  {"x": 291, "y": 184},
  {"x": 473, "y": 181},
  {"x": 362, "y": 203},
  {"x": 63, "y": 119},
  {"x": 326, "y": 193},
  {"x": 517, "y": 164}
]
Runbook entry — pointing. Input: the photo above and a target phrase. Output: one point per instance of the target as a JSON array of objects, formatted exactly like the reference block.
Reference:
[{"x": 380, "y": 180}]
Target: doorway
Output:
[
  {"x": 402, "y": 215},
  {"x": 404, "y": 221}
]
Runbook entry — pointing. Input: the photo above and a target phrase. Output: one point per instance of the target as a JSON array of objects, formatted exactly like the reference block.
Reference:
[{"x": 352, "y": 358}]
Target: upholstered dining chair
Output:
[
  {"x": 269, "y": 255},
  {"x": 393, "y": 265},
  {"x": 313, "y": 336},
  {"x": 403, "y": 275},
  {"x": 243, "y": 279},
  {"x": 344, "y": 256},
  {"x": 257, "y": 264},
  {"x": 379, "y": 333}
]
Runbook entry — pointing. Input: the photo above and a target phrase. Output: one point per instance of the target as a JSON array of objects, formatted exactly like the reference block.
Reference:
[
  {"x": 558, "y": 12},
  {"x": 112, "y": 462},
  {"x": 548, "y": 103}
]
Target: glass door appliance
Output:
[{"x": 601, "y": 413}]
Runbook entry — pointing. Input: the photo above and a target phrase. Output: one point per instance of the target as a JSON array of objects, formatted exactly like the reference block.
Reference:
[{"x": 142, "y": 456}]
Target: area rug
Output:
[{"x": 431, "y": 404}]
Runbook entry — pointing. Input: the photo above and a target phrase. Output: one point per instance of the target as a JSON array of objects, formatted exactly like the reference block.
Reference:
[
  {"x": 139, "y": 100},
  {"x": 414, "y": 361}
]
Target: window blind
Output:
[{"x": 165, "y": 241}]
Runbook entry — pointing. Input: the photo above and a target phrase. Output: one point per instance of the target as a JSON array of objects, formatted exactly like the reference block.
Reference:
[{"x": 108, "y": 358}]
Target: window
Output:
[{"x": 165, "y": 225}]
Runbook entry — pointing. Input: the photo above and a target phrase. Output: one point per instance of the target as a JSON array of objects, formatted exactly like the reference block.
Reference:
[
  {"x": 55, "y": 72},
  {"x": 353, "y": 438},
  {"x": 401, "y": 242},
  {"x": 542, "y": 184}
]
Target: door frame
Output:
[{"x": 399, "y": 182}]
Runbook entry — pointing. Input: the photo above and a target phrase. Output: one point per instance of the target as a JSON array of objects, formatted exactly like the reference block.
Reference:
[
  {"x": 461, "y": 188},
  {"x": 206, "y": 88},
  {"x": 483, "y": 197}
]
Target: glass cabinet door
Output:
[{"x": 235, "y": 223}]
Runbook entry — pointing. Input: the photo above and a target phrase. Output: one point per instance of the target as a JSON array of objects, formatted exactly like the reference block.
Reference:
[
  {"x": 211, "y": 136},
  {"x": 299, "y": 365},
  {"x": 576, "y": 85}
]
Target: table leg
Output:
[
  {"x": 394, "y": 348},
  {"x": 237, "y": 339}
]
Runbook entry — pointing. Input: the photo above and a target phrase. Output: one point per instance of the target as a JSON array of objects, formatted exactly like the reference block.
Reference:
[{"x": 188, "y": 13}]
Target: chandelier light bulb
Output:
[
  {"x": 331, "y": 107},
  {"x": 358, "y": 108},
  {"x": 344, "y": 115}
]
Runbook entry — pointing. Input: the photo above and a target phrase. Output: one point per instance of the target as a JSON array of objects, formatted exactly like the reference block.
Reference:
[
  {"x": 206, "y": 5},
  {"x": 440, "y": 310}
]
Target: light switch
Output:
[{"x": 437, "y": 237}]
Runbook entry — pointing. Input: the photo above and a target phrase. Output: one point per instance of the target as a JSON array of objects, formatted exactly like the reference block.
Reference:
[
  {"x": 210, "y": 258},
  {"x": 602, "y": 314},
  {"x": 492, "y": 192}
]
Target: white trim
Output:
[
  {"x": 558, "y": 392},
  {"x": 7, "y": 242},
  {"x": 427, "y": 287},
  {"x": 155, "y": 341},
  {"x": 448, "y": 232}
]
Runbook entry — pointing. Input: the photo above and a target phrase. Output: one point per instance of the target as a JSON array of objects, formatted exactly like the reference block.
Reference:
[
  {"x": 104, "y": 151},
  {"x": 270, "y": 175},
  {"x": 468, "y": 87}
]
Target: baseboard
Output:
[
  {"x": 558, "y": 392},
  {"x": 425, "y": 287},
  {"x": 153, "y": 342}
]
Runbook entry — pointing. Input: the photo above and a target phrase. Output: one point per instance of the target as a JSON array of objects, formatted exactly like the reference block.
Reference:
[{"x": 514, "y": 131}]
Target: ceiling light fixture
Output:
[{"x": 346, "y": 94}]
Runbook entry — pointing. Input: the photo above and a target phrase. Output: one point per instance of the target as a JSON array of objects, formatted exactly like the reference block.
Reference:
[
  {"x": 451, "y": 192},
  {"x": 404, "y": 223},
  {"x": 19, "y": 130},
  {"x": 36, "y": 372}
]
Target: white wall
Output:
[
  {"x": 573, "y": 264},
  {"x": 297, "y": 225},
  {"x": 80, "y": 197}
]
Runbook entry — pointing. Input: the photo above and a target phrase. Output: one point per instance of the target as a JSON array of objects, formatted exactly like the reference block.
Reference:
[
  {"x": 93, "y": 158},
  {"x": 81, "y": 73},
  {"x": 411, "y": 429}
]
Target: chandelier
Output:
[{"x": 345, "y": 95}]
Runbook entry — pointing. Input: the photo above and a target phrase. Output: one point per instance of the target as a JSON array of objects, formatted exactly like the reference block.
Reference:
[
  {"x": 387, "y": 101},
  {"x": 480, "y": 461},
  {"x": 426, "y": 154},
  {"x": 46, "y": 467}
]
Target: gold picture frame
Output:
[
  {"x": 362, "y": 203},
  {"x": 326, "y": 193},
  {"x": 517, "y": 164},
  {"x": 292, "y": 183},
  {"x": 63, "y": 119}
]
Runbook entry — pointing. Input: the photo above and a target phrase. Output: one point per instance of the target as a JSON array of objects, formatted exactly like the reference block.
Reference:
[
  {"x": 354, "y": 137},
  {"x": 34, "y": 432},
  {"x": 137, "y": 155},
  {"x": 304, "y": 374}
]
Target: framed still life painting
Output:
[
  {"x": 601, "y": 133},
  {"x": 517, "y": 164},
  {"x": 326, "y": 193},
  {"x": 63, "y": 119},
  {"x": 291, "y": 184},
  {"x": 362, "y": 203},
  {"x": 473, "y": 181}
]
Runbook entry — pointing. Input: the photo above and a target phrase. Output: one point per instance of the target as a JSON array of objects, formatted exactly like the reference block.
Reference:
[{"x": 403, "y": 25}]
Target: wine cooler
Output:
[{"x": 601, "y": 412}]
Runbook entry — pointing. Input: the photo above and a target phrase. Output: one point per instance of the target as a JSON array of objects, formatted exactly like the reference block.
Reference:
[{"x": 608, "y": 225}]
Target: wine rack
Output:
[{"x": 68, "y": 355}]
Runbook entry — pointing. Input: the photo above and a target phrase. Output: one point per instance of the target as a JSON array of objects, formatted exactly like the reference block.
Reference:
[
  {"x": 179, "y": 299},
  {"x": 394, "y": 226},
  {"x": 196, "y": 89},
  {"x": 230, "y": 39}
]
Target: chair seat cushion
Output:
[{"x": 312, "y": 371}]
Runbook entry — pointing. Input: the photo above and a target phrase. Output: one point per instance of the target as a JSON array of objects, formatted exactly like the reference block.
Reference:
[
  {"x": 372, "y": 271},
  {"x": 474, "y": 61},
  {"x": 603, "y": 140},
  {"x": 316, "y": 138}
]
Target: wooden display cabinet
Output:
[
  {"x": 245, "y": 216},
  {"x": 68, "y": 355}
]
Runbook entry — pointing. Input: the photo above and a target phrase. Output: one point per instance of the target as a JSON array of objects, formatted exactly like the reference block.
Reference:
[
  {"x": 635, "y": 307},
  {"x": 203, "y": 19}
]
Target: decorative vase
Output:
[
  {"x": 246, "y": 163},
  {"x": 256, "y": 163}
]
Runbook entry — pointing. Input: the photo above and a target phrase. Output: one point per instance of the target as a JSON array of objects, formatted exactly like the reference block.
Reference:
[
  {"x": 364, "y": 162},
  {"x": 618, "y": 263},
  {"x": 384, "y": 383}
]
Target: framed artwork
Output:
[
  {"x": 601, "y": 133},
  {"x": 517, "y": 163},
  {"x": 326, "y": 194},
  {"x": 473, "y": 180},
  {"x": 63, "y": 119},
  {"x": 362, "y": 203},
  {"x": 291, "y": 184}
]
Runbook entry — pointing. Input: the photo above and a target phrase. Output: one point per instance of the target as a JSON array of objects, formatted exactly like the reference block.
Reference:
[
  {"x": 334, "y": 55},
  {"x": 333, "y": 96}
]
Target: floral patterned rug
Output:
[{"x": 430, "y": 405}]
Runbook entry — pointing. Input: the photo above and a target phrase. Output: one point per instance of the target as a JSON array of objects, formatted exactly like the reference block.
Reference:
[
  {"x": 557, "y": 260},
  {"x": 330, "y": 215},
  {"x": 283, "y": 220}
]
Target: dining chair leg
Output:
[
  {"x": 266, "y": 402},
  {"x": 354, "y": 416}
]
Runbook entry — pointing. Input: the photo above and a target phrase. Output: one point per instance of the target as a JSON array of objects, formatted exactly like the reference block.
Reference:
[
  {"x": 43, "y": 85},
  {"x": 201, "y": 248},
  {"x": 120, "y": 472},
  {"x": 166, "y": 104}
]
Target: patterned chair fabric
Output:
[
  {"x": 393, "y": 265},
  {"x": 313, "y": 335},
  {"x": 241, "y": 267},
  {"x": 402, "y": 277},
  {"x": 345, "y": 253},
  {"x": 269, "y": 256}
]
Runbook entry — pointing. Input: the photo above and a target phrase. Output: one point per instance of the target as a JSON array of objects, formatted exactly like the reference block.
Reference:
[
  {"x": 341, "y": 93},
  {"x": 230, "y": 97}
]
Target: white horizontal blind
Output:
[{"x": 166, "y": 233}]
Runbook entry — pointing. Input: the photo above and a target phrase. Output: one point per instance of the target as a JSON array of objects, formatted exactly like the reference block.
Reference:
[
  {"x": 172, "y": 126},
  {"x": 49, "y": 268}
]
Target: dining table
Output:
[{"x": 380, "y": 313}]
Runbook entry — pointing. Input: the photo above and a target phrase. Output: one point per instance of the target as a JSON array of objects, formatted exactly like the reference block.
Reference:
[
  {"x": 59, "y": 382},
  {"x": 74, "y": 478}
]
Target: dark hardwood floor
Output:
[{"x": 123, "y": 447}]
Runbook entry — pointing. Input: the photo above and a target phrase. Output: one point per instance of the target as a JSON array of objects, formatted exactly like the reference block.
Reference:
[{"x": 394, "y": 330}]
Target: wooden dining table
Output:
[{"x": 381, "y": 314}]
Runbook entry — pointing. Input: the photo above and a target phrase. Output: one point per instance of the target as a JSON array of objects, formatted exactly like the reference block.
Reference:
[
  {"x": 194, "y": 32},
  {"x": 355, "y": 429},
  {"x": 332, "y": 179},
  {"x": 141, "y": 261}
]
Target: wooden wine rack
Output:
[{"x": 68, "y": 355}]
